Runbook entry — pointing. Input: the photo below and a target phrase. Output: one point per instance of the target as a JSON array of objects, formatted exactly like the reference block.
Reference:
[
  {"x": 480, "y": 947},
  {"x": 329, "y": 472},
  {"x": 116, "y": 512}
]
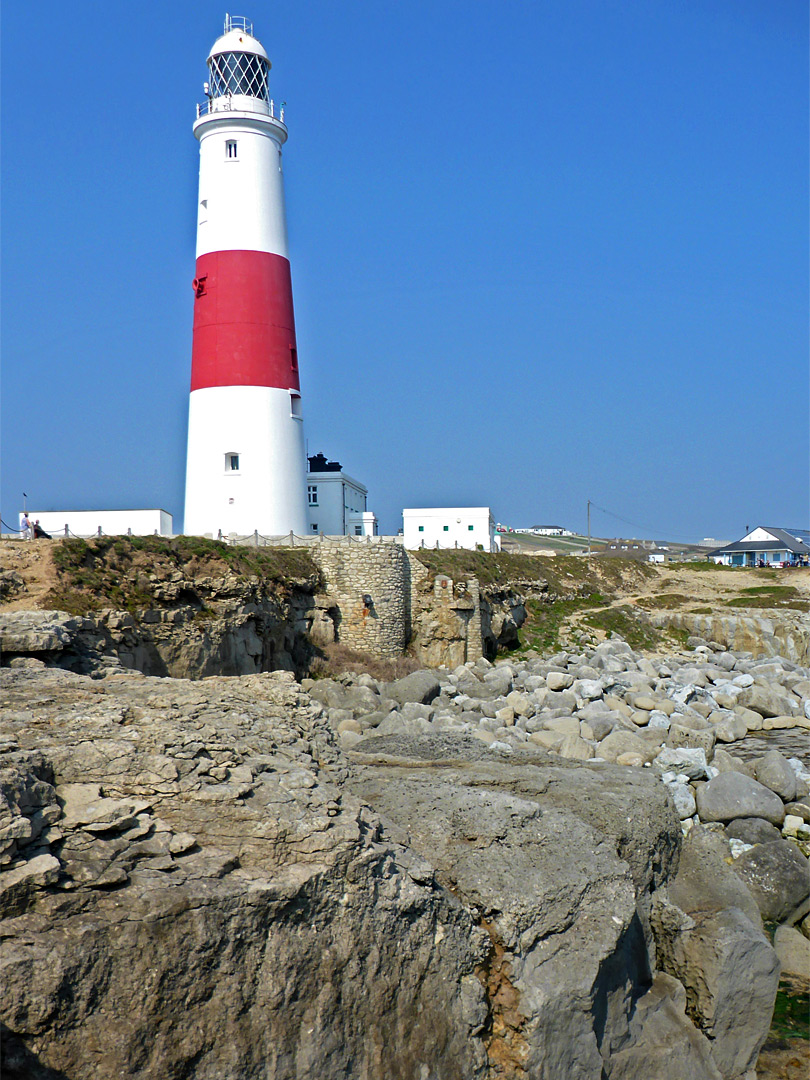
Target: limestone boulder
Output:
[
  {"x": 709, "y": 936},
  {"x": 731, "y": 975},
  {"x": 734, "y": 795},
  {"x": 766, "y": 700},
  {"x": 774, "y": 771},
  {"x": 420, "y": 687},
  {"x": 663, "y": 1041},
  {"x": 793, "y": 950},
  {"x": 752, "y": 830},
  {"x": 778, "y": 877},
  {"x": 625, "y": 742},
  {"x": 705, "y": 881}
]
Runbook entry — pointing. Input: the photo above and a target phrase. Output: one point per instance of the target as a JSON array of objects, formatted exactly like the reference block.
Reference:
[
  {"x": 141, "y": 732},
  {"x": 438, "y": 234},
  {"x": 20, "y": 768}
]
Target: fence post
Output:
[
  {"x": 67, "y": 532},
  {"x": 129, "y": 532},
  {"x": 219, "y": 534},
  {"x": 99, "y": 530},
  {"x": 292, "y": 539}
]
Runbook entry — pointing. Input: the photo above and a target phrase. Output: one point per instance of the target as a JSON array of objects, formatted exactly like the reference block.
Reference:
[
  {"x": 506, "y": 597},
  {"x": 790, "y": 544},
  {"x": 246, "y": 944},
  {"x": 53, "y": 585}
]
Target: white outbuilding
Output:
[
  {"x": 471, "y": 527},
  {"x": 337, "y": 504},
  {"x": 86, "y": 523}
]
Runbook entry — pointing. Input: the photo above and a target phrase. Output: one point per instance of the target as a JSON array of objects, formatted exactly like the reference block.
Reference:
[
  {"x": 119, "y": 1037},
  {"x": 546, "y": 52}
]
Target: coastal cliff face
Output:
[{"x": 190, "y": 608}]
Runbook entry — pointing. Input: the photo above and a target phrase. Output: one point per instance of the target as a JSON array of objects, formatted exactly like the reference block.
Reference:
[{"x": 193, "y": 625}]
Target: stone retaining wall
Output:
[{"x": 378, "y": 571}]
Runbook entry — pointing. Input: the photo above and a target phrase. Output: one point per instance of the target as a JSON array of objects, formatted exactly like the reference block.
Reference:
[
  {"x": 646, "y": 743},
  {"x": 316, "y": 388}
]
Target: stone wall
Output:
[{"x": 381, "y": 572}]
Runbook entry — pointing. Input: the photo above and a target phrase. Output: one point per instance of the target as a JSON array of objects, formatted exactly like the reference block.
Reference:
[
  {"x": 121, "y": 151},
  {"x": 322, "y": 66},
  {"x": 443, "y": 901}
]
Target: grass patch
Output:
[
  {"x": 790, "y": 1012},
  {"x": 707, "y": 564},
  {"x": 566, "y": 575},
  {"x": 627, "y": 622},
  {"x": 665, "y": 603},
  {"x": 770, "y": 596},
  {"x": 132, "y": 573},
  {"x": 701, "y": 611},
  {"x": 541, "y": 631}
]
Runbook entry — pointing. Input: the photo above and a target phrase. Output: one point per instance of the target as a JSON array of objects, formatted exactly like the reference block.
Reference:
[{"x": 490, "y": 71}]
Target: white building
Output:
[
  {"x": 766, "y": 546},
  {"x": 337, "y": 503},
  {"x": 470, "y": 527},
  {"x": 87, "y": 523}
]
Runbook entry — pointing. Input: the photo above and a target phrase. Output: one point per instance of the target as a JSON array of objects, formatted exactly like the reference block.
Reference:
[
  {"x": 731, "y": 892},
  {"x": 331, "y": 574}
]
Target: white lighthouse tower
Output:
[{"x": 245, "y": 468}]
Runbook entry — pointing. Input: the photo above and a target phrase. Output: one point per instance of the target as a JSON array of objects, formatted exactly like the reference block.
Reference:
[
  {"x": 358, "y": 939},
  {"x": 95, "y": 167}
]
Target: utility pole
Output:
[{"x": 589, "y": 528}]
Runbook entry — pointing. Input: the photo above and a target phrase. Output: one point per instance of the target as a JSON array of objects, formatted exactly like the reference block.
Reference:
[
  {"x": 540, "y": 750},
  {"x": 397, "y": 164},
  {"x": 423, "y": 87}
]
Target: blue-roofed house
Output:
[{"x": 766, "y": 546}]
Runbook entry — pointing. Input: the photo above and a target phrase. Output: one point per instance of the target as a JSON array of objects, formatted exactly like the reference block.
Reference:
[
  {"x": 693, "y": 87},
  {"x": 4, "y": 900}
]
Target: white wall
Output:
[
  {"x": 364, "y": 524},
  {"x": 339, "y": 497},
  {"x": 759, "y": 534},
  {"x": 267, "y": 493},
  {"x": 240, "y": 206},
  {"x": 111, "y": 522},
  {"x": 450, "y": 527}
]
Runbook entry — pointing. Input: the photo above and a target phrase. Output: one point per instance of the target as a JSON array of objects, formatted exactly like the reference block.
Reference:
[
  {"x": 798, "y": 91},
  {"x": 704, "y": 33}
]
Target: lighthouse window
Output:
[
  {"x": 238, "y": 73},
  {"x": 231, "y": 463},
  {"x": 312, "y": 494},
  {"x": 230, "y": 148},
  {"x": 294, "y": 357},
  {"x": 295, "y": 406}
]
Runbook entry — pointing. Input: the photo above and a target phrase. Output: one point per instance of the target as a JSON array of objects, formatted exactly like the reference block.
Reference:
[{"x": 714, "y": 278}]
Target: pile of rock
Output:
[
  {"x": 675, "y": 715},
  {"x": 608, "y": 704},
  {"x": 250, "y": 877}
]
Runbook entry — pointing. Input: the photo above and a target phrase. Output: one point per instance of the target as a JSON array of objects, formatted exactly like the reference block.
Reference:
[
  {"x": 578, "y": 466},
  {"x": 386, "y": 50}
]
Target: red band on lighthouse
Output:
[{"x": 244, "y": 330}]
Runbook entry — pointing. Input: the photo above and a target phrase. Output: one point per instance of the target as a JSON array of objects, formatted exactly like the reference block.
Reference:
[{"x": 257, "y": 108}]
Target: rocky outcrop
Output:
[
  {"x": 196, "y": 880},
  {"x": 198, "y": 618},
  {"x": 787, "y": 634},
  {"x": 193, "y": 892},
  {"x": 453, "y": 621},
  {"x": 234, "y": 637}
]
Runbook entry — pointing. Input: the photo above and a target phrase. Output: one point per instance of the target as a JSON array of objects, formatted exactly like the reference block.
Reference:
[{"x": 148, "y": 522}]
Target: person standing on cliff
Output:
[{"x": 25, "y": 526}]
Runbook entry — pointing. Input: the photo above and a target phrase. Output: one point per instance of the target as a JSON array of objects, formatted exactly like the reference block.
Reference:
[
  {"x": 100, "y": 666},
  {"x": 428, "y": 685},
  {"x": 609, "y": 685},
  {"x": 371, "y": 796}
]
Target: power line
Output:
[{"x": 647, "y": 528}]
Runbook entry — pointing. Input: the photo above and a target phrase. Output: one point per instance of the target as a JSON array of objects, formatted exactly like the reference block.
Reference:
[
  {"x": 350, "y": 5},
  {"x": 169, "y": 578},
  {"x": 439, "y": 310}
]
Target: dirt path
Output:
[{"x": 32, "y": 560}]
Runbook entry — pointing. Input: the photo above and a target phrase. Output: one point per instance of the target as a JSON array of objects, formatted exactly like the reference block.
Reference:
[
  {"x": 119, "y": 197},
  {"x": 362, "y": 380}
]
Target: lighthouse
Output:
[{"x": 245, "y": 468}]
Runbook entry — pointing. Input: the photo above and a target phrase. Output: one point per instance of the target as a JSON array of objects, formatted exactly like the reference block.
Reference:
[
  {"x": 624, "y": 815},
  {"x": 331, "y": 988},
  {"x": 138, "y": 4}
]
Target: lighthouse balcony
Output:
[{"x": 241, "y": 103}]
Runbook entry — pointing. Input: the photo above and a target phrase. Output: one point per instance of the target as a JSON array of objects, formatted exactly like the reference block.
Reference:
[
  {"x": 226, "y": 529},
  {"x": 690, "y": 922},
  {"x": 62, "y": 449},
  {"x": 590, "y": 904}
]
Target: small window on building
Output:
[
  {"x": 358, "y": 530},
  {"x": 421, "y": 528},
  {"x": 314, "y": 526},
  {"x": 295, "y": 406},
  {"x": 312, "y": 494},
  {"x": 446, "y": 528},
  {"x": 231, "y": 463},
  {"x": 230, "y": 149},
  {"x": 470, "y": 528},
  {"x": 294, "y": 357}
]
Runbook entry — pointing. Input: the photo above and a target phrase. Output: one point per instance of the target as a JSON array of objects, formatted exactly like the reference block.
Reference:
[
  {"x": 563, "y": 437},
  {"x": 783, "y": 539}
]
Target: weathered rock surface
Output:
[
  {"x": 710, "y": 937},
  {"x": 733, "y": 795},
  {"x": 199, "y": 882},
  {"x": 777, "y": 875},
  {"x": 396, "y": 879}
]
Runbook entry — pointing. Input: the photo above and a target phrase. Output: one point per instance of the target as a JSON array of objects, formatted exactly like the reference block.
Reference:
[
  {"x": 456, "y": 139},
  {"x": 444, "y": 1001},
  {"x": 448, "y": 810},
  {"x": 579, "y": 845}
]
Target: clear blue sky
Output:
[{"x": 542, "y": 252}]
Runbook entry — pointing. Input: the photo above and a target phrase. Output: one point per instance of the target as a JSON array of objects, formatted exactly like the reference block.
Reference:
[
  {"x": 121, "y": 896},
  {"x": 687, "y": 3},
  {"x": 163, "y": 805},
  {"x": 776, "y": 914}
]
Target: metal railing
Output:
[
  {"x": 238, "y": 22},
  {"x": 257, "y": 539},
  {"x": 243, "y": 104}
]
